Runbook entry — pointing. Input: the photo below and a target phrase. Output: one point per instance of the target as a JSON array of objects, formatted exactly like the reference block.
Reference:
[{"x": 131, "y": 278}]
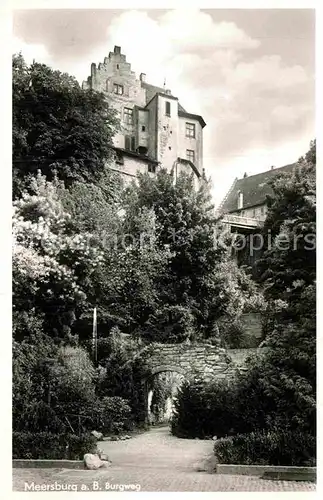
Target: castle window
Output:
[
  {"x": 127, "y": 116},
  {"x": 190, "y": 130},
  {"x": 167, "y": 108},
  {"x": 190, "y": 155},
  {"x": 151, "y": 168},
  {"x": 117, "y": 89},
  {"x": 117, "y": 66},
  {"x": 143, "y": 128},
  {"x": 130, "y": 143}
]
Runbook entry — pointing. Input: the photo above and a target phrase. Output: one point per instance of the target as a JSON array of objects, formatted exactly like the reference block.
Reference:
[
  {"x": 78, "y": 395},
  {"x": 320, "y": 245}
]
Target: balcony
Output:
[{"x": 242, "y": 222}]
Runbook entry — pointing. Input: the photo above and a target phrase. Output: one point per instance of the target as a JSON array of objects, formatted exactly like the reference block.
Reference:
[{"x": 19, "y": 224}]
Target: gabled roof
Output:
[
  {"x": 191, "y": 164},
  {"x": 254, "y": 188},
  {"x": 152, "y": 90}
]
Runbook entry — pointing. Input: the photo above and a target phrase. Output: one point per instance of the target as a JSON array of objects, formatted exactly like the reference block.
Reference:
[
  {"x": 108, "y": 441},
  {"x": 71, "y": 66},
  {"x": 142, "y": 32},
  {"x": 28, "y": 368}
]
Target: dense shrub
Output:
[
  {"x": 260, "y": 398},
  {"x": 205, "y": 410},
  {"x": 267, "y": 448},
  {"x": 121, "y": 373},
  {"x": 115, "y": 415},
  {"x": 45, "y": 445}
]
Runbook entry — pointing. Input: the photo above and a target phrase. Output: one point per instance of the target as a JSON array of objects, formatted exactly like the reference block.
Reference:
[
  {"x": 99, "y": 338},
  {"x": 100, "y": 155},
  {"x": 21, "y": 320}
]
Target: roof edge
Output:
[
  {"x": 227, "y": 194},
  {"x": 193, "y": 117},
  {"x": 133, "y": 154},
  {"x": 191, "y": 164}
]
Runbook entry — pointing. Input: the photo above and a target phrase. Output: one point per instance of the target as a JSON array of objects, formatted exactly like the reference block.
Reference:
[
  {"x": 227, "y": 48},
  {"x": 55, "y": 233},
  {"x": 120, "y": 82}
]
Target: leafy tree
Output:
[
  {"x": 57, "y": 127},
  {"x": 288, "y": 374},
  {"x": 126, "y": 284},
  {"x": 202, "y": 283}
]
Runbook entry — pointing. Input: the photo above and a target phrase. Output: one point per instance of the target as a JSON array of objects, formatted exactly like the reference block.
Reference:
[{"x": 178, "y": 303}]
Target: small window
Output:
[
  {"x": 151, "y": 168},
  {"x": 143, "y": 128},
  {"x": 169, "y": 147},
  {"x": 190, "y": 130},
  {"x": 117, "y": 89},
  {"x": 190, "y": 155},
  {"x": 167, "y": 108},
  {"x": 253, "y": 212},
  {"x": 127, "y": 116},
  {"x": 117, "y": 66}
]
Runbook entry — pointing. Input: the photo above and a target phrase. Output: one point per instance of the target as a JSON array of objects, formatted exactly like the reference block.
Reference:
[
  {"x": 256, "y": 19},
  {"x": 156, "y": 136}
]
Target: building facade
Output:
[
  {"x": 244, "y": 210},
  {"x": 155, "y": 130}
]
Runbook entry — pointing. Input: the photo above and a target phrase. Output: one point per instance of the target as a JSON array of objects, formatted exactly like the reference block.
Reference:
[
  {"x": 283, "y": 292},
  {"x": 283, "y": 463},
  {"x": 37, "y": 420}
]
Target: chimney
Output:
[
  {"x": 245, "y": 175},
  {"x": 168, "y": 92},
  {"x": 272, "y": 167},
  {"x": 142, "y": 77},
  {"x": 117, "y": 49},
  {"x": 240, "y": 200}
]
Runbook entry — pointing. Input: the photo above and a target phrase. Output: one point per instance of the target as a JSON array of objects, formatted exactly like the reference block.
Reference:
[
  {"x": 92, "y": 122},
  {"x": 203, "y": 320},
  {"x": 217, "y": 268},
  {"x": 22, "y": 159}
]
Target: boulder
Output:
[
  {"x": 97, "y": 435},
  {"x": 93, "y": 462},
  {"x": 102, "y": 455}
]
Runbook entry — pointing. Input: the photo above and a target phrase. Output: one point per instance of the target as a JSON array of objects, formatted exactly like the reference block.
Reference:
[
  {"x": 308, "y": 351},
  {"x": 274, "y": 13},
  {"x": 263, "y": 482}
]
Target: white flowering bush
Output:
[{"x": 50, "y": 263}]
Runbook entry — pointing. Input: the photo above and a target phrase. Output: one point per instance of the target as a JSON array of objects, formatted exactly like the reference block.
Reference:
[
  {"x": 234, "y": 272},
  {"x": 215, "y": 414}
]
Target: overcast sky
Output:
[{"x": 249, "y": 73}]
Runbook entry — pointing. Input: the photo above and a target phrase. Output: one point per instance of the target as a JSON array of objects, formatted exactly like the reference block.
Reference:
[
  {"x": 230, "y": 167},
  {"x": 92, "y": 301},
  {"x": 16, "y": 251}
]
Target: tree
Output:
[
  {"x": 58, "y": 128},
  {"x": 199, "y": 286},
  {"x": 287, "y": 375}
]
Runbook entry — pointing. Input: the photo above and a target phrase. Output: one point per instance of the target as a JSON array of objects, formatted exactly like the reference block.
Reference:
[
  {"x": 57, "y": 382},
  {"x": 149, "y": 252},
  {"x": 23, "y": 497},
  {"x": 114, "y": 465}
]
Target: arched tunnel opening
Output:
[{"x": 161, "y": 390}]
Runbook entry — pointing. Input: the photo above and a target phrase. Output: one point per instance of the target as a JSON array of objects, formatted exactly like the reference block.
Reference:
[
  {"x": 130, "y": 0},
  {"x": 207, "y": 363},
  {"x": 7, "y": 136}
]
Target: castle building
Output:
[{"x": 155, "y": 130}]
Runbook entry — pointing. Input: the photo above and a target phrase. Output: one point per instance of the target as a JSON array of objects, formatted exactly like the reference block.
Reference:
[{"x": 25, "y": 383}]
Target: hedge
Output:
[
  {"x": 267, "y": 448},
  {"x": 45, "y": 445},
  {"x": 205, "y": 410}
]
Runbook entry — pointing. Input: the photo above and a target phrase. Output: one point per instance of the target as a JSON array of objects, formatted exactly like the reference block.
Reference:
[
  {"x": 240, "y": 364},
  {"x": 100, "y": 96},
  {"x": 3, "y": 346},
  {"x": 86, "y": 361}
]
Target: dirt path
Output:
[
  {"x": 157, "y": 448},
  {"x": 153, "y": 461}
]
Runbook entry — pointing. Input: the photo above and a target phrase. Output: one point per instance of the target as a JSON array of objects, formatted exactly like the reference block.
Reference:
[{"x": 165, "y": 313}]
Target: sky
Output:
[{"x": 250, "y": 73}]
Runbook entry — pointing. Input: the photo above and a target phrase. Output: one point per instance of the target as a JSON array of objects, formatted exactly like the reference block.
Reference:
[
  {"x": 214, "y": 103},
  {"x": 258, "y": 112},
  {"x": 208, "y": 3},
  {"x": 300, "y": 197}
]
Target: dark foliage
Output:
[
  {"x": 57, "y": 127},
  {"x": 48, "y": 446},
  {"x": 267, "y": 448}
]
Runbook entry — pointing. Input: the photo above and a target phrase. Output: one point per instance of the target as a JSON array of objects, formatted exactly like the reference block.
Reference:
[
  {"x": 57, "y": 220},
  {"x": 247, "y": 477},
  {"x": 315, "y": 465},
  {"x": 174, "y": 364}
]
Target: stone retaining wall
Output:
[{"x": 205, "y": 360}]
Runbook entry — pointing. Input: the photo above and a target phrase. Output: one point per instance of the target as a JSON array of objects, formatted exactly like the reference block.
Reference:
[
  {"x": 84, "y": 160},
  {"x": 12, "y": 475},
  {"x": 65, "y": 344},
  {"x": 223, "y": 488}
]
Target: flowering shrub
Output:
[{"x": 50, "y": 264}]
